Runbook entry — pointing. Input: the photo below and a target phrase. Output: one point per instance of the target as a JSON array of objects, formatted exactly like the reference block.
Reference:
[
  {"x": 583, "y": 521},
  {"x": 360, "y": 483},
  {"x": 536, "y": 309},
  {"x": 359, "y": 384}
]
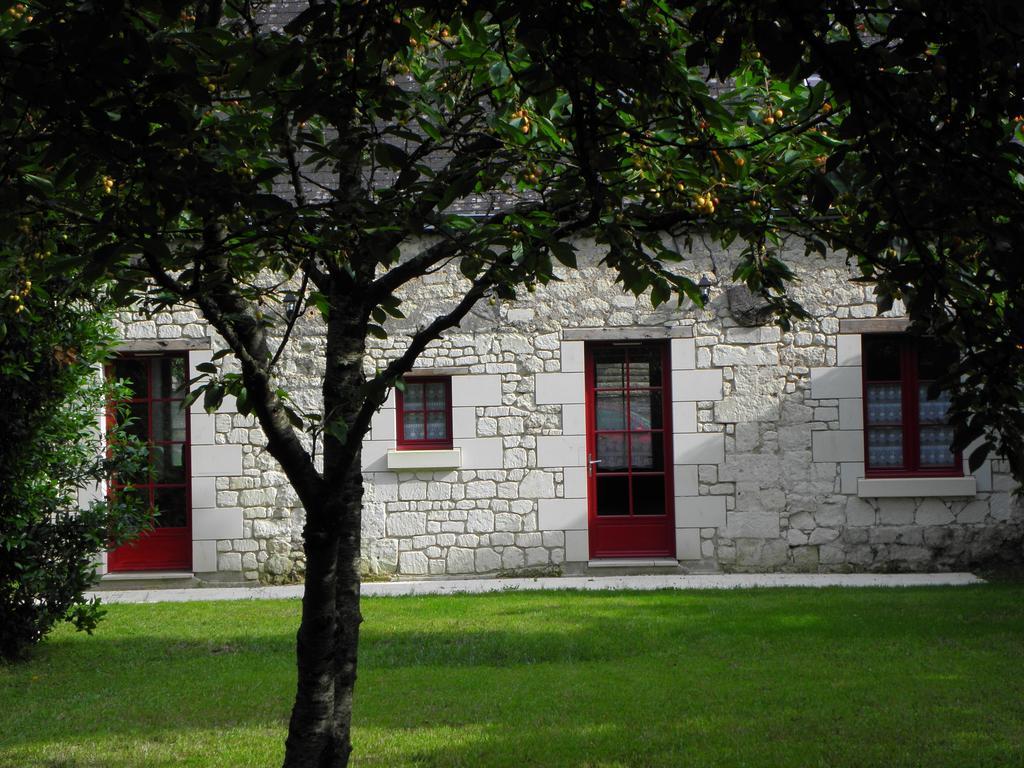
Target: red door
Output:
[
  {"x": 629, "y": 450},
  {"x": 158, "y": 386}
]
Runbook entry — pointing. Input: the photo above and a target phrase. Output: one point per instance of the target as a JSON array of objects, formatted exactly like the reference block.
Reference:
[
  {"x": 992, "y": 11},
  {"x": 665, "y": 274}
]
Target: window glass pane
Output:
[
  {"x": 437, "y": 425},
  {"x": 933, "y": 411},
  {"x": 133, "y": 372},
  {"x": 644, "y": 368},
  {"x": 882, "y": 358},
  {"x": 168, "y": 421},
  {"x": 885, "y": 404},
  {"x": 612, "y": 496},
  {"x": 168, "y": 463},
  {"x": 645, "y": 410},
  {"x": 437, "y": 396},
  {"x": 170, "y": 503},
  {"x": 413, "y": 425},
  {"x": 885, "y": 447},
  {"x": 649, "y": 495},
  {"x": 610, "y": 412},
  {"x": 934, "y": 450},
  {"x": 611, "y": 450},
  {"x": 608, "y": 369},
  {"x": 169, "y": 377},
  {"x": 934, "y": 360},
  {"x": 647, "y": 451},
  {"x": 412, "y": 398}
]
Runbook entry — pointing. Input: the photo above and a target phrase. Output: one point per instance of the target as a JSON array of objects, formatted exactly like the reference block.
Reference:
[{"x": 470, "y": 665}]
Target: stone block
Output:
[
  {"x": 203, "y": 428},
  {"x": 216, "y": 460},
  {"x": 487, "y": 560},
  {"x": 684, "y": 354},
  {"x": 574, "y": 483},
  {"x": 699, "y": 448},
  {"x": 480, "y": 521},
  {"x": 572, "y": 356},
  {"x": 851, "y": 413},
  {"x": 753, "y": 523},
  {"x": 559, "y": 388},
  {"x": 204, "y": 492},
  {"x": 383, "y": 425},
  {"x": 577, "y": 546},
  {"x": 512, "y": 558},
  {"x": 562, "y": 514},
  {"x": 859, "y": 512},
  {"x": 476, "y": 389},
  {"x": 460, "y": 560},
  {"x": 537, "y": 485},
  {"x": 536, "y": 556},
  {"x": 933, "y": 512},
  {"x": 685, "y": 480},
  {"x": 229, "y": 561},
  {"x": 480, "y": 452},
  {"x": 834, "y": 383},
  {"x": 217, "y": 523},
  {"x": 700, "y": 512},
  {"x": 413, "y": 563},
  {"x": 684, "y": 416},
  {"x": 753, "y": 354},
  {"x": 463, "y": 422},
  {"x": 574, "y": 419},
  {"x": 688, "y": 544},
  {"x": 204, "y": 556},
  {"x": 848, "y": 349},
  {"x": 896, "y": 511},
  {"x": 837, "y": 445},
  {"x": 703, "y": 384},
  {"x": 404, "y": 524},
  {"x": 554, "y": 451}
]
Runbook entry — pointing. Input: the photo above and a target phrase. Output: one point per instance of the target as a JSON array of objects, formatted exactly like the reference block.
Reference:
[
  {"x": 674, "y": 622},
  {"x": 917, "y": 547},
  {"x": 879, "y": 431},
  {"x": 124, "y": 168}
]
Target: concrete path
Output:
[{"x": 479, "y": 586}]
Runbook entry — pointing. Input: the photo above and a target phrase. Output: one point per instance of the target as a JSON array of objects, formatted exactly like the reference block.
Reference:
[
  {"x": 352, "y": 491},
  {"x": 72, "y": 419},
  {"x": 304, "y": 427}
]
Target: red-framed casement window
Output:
[
  {"x": 425, "y": 414},
  {"x": 906, "y": 432}
]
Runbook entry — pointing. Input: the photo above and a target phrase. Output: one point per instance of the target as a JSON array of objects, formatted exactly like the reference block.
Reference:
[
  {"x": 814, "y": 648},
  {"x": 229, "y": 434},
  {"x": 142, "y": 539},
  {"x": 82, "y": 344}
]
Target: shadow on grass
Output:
[{"x": 523, "y": 676}]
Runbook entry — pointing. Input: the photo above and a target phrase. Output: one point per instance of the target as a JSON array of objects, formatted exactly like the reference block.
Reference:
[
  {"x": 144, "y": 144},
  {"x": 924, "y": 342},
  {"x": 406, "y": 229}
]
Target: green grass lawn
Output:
[{"x": 781, "y": 677}]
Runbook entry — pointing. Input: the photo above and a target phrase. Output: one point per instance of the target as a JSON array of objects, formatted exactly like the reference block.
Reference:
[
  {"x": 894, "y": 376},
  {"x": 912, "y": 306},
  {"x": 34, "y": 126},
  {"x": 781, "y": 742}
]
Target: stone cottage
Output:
[{"x": 578, "y": 428}]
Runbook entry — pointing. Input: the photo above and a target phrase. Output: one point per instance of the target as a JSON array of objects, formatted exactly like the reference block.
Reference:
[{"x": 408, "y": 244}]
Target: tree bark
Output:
[{"x": 319, "y": 734}]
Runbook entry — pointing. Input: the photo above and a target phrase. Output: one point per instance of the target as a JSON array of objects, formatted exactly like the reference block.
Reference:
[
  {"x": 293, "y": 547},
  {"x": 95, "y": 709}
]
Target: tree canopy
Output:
[{"x": 350, "y": 147}]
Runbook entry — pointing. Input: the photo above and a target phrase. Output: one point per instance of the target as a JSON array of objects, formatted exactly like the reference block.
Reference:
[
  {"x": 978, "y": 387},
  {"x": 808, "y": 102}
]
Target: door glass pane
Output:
[
  {"x": 612, "y": 496},
  {"x": 885, "y": 447},
  {"x": 437, "y": 425},
  {"x": 932, "y": 411},
  {"x": 133, "y": 372},
  {"x": 610, "y": 410},
  {"x": 170, "y": 502},
  {"x": 644, "y": 368},
  {"x": 168, "y": 421},
  {"x": 882, "y": 358},
  {"x": 649, "y": 495},
  {"x": 611, "y": 450},
  {"x": 608, "y": 369},
  {"x": 135, "y": 416},
  {"x": 935, "y": 443},
  {"x": 412, "y": 398},
  {"x": 885, "y": 404},
  {"x": 647, "y": 451},
  {"x": 645, "y": 409},
  {"x": 437, "y": 398},
  {"x": 413, "y": 425},
  {"x": 169, "y": 377},
  {"x": 168, "y": 463}
]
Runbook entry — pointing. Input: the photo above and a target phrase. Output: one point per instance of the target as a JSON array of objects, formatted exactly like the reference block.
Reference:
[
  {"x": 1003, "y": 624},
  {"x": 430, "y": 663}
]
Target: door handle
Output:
[{"x": 590, "y": 465}]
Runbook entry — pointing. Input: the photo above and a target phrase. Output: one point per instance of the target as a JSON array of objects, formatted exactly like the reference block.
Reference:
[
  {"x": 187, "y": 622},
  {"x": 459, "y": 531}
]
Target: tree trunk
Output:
[{"x": 319, "y": 734}]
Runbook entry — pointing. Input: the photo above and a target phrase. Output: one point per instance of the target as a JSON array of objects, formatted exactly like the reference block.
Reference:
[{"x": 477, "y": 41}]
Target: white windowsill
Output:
[
  {"x": 450, "y": 458},
  {"x": 916, "y": 486}
]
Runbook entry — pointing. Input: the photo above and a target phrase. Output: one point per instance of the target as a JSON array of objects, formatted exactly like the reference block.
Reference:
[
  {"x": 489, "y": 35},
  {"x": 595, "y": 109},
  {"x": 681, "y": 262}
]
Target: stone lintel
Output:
[
  {"x": 157, "y": 346},
  {"x": 454, "y": 370},
  {"x": 874, "y": 325},
  {"x": 629, "y": 333}
]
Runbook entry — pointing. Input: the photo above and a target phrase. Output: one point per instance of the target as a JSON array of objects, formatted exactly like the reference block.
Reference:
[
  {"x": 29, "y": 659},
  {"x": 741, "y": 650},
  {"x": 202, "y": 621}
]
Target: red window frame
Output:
[
  {"x": 910, "y": 351},
  {"x": 425, "y": 444}
]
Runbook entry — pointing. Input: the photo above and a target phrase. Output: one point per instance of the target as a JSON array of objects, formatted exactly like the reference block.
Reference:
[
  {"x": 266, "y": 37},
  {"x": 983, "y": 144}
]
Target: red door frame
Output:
[
  {"x": 163, "y": 548},
  {"x": 630, "y": 535}
]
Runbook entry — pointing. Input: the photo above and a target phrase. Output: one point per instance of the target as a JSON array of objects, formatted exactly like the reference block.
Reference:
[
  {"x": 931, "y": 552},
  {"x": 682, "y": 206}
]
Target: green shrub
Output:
[{"x": 52, "y": 343}]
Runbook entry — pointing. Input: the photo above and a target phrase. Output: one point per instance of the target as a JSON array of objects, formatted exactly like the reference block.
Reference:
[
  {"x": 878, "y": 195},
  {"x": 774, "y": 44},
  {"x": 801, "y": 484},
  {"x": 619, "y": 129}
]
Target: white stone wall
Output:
[{"x": 767, "y": 442}]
